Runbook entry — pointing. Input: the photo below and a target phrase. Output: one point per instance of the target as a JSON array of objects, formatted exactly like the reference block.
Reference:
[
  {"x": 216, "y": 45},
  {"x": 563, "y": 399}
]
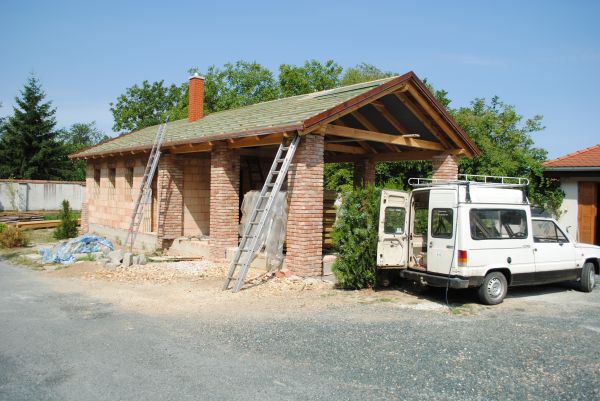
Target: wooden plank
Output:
[
  {"x": 365, "y": 145},
  {"x": 435, "y": 115},
  {"x": 364, "y": 121},
  {"x": 195, "y": 148},
  {"x": 34, "y": 225},
  {"x": 360, "y": 134},
  {"x": 435, "y": 131},
  {"x": 337, "y": 147},
  {"x": 402, "y": 130},
  {"x": 385, "y": 157},
  {"x": 271, "y": 139}
]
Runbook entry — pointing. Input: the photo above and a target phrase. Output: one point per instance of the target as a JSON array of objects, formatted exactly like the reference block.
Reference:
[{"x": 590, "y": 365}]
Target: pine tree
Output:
[{"x": 28, "y": 144}]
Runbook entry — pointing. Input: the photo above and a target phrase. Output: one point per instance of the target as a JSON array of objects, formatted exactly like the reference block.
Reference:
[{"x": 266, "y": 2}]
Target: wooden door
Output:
[{"x": 587, "y": 211}]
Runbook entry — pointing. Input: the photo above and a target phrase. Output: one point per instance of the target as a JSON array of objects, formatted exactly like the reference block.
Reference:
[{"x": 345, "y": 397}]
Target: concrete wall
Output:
[
  {"x": 24, "y": 195},
  {"x": 570, "y": 206}
]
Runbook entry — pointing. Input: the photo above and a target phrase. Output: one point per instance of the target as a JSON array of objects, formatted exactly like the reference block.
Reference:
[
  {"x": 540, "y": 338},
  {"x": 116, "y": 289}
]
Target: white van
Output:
[{"x": 478, "y": 232}]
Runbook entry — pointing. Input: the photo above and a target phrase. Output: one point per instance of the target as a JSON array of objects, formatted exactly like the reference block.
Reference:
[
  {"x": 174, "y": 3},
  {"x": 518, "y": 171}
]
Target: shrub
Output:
[
  {"x": 68, "y": 223},
  {"x": 13, "y": 237},
  {"x": 3, "y": 227},
  {"x": 355, "y": 238}
]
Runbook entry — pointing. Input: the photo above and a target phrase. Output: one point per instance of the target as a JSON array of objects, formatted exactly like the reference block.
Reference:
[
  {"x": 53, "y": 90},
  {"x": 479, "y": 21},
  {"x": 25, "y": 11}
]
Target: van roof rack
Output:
[{"x": 472, "y": 179}]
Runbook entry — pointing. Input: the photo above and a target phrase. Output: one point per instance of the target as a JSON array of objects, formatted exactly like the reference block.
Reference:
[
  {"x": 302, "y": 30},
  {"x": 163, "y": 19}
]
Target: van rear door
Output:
[
  {"x": 392, "y": 246},
  {"x": 441, "y": 230}
]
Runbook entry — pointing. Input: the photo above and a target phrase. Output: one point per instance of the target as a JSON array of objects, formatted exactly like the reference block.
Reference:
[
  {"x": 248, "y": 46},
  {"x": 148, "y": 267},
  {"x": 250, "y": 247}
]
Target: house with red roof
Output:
[{"x": 579, "y": 175}]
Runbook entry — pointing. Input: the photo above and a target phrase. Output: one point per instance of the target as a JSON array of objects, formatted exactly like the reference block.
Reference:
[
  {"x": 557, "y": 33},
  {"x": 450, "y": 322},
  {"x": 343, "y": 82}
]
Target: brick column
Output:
[
  {"x": 445, "y": 167},
  {"x": 304, "y": 242},
  {"x": 364, "y": 172},
  {"x": 224, "y": 199},
  {"x": 170, "y": 200},
  {"x": 84, "y": 226}
]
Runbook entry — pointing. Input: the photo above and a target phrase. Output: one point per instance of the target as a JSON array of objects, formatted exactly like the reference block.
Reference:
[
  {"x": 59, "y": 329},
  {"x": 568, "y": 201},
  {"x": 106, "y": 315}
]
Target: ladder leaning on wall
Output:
[
  {"x": 145, "y": 190},
  {"x": 250, "y": 243}
]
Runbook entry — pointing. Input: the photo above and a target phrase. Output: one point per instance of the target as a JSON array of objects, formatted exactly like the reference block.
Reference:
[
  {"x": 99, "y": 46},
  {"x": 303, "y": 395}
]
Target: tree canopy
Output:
[
  {"x": 75, "y": 138},
  {"x": 313, "y": 76}
]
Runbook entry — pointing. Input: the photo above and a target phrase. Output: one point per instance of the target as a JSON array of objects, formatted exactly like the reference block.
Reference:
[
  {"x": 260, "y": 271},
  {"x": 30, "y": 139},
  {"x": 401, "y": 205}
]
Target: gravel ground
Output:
[{"x": 541, "y": 344}]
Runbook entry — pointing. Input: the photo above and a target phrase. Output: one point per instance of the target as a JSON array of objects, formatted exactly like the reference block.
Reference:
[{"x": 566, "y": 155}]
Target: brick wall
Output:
[
  {"x": 224, "y": 199},
  {"x": 170, "y": 200},
  {"x": 84, "y": 226},
  {"x": 112, "y": 206},
  {"x": 445, "y": 167},
  {"x": 196, "y": 194},
  {"x": 364, "y": 172},
  {"x": 304, "y": 240}
]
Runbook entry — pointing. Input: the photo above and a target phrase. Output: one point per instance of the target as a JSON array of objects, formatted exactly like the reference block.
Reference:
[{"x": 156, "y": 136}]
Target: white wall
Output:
[
  {"x": 22, "y": 195},
  {"x": 569, "y": 207}
]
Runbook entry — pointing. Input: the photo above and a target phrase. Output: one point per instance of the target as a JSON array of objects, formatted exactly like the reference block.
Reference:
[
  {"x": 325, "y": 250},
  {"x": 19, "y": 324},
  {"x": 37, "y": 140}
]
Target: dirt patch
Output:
[{"x": 196, "y": 288}]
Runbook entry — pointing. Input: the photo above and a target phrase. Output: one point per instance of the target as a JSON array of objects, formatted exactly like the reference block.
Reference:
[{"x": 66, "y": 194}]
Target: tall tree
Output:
[
  {"x": 237, "y": 84},
  {"x": 364, "y": 72},
  {"x": 75, "y": 138},
  {"x": 313, "y": 76},
  {"x": 507, "y": 149},
  {"x": 149, "y": 104},
  {"x": 28, "y": 147}
]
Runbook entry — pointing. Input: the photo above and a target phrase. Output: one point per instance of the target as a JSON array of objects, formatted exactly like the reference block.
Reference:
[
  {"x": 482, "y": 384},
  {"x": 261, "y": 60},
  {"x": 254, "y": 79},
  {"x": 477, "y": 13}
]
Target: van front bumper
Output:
[{"x": 440, "y": 281}]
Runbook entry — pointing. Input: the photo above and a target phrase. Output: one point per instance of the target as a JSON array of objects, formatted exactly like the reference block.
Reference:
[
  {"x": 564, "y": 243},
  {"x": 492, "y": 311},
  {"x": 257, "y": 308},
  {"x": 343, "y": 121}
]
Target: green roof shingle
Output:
[{"x": 272, "y": 116}]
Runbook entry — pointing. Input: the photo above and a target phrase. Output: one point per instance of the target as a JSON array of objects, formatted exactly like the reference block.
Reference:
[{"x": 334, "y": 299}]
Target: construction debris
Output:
[{"x": 64, "y": 252}]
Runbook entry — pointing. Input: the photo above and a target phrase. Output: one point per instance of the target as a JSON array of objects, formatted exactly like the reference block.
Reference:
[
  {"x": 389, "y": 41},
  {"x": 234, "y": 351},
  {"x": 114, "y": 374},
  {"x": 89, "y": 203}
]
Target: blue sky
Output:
[{"x": 541, "y": 56}]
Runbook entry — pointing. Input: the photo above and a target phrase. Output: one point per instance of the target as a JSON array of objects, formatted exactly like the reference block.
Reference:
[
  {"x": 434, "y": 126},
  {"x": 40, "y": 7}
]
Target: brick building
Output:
[{"x": 209, "y": 162}]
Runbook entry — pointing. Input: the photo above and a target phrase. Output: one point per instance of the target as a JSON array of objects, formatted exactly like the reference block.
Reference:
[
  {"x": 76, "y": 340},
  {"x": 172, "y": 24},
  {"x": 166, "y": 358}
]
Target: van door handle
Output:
[
  {"x": 526, "y": 246},
  {"x": 450, "y": 246}
]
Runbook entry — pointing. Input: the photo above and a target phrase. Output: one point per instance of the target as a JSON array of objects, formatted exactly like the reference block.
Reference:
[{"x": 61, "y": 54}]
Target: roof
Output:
[
  {"x": 282, "y": 115},
  {"x": 585, "y": 158}
]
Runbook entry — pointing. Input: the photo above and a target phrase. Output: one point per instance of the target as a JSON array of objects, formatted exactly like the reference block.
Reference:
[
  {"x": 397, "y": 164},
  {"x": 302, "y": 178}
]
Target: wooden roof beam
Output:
[
  {"x": 192, "y": 148},
  {"x": 364, "y": 121},
  {"x": 337, "y": 147},
  {"x": 360, "y": 134},
  {"x": 362, "y": 144},
  {"x": 271, "y": 139},
  {"x": 401, "y": 96}
]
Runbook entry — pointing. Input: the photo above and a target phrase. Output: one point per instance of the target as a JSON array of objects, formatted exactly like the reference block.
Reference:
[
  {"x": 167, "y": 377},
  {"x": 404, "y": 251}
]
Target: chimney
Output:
[{"x": 196, "y": 98}]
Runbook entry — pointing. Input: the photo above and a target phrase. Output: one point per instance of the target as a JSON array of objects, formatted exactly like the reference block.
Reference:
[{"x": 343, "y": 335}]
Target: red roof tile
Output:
[{"x": 589, "y": 157}]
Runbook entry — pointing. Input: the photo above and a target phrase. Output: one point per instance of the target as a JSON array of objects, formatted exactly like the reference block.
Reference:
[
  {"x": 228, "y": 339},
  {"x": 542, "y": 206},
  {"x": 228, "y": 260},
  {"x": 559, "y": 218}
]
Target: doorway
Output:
[{"x": 588, "y": 199}]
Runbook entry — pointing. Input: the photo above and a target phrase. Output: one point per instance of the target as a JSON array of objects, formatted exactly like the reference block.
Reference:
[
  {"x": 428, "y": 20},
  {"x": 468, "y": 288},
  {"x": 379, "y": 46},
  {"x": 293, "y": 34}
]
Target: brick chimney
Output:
[{"x": 196, "y": 98}]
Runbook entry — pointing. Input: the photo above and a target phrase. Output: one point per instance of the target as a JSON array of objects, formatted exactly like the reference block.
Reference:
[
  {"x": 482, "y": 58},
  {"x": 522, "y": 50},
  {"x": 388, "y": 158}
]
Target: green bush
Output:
[
  {"x": 355, "y": 238},
  {"x": 68, "y": 223},
  {"x": 3, "y": 227},
  {"x": 13, "y": 237}
]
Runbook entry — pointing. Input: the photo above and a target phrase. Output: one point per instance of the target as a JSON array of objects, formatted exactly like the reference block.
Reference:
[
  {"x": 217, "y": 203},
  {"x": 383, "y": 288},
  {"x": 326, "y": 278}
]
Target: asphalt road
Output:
[{"x": 59, "y": 346}]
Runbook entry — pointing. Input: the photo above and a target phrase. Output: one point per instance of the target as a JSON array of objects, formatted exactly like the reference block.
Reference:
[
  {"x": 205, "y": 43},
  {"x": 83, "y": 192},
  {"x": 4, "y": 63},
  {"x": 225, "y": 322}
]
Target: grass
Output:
[{"x": 17, "y": 255}]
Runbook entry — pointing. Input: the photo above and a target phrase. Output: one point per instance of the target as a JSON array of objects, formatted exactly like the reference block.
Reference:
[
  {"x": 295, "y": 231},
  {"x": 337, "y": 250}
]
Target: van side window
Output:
[
  {"x": 442, "y": 223},
  {"x": 394, "y": 220},
  {"x": 498, "y": 224},
  {"x": 546, "y": 231}
]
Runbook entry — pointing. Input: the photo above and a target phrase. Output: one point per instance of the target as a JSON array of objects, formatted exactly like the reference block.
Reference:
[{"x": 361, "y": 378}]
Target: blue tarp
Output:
[{"x": 64, "y": 251}]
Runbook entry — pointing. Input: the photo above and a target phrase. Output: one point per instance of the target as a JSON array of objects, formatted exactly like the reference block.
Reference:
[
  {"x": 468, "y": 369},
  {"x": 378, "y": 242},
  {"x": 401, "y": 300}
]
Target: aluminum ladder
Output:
[
  {"x": 250, "y": 245},
  {"x": 145, "y": 190}
]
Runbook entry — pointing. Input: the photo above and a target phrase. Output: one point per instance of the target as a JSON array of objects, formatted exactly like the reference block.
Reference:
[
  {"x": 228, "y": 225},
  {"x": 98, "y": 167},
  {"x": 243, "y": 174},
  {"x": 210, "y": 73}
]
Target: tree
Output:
[
  {"x": 28, "y": 147},
  {"x": 67, "y": 227},
  {"x": 149, "y": 104},
  {"x": 507, "y": 148},
  {"x": 311, "y": 77},
  {"x": 75, "y": 138},
  {"x": 363, "y": 72},
  {"x": 236, "y": 85}
]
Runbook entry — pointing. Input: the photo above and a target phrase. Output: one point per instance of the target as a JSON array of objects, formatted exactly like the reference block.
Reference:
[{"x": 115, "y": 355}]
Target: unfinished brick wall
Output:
[
  {"x": 170, "y": 200},
  {"x": 445, "y": 167},
  {"x": 364, "y": 172},
  {"x": 196, "y": 194},
  {"x": 304, "y": 239},
  {"x": 224, "y": 199},
  {"x": 84, "y": 226}
]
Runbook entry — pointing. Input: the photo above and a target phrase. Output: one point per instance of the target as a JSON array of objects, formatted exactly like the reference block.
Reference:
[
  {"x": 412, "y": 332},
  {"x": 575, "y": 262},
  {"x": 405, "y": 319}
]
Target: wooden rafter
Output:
[
  {"x": 271, "y": 139},
  {"x": 338, "y": 147},
  {"x": 385, "y": 157},
  {"x": 364, "y": 121},
  {"x": 402, "y": 130},
  {"x": 364, "y": 144},
  {"x": 192, "y": 148},
  {"x": 360, "y": 134},
  {"x": 421, "y": 117}
]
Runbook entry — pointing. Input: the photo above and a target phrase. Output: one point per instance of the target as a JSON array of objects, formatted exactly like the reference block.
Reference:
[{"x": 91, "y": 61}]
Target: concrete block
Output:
[
  {"x": 141, "y": 259},
  {"x": 115, "y": 257},
  {"x": 127, "y": 259}
]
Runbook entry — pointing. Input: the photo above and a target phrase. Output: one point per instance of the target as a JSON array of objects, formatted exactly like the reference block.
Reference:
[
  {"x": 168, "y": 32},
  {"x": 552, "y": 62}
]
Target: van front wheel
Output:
[
  {"x": 588, "y": 278},
  {"x": 493, "y": 289}
]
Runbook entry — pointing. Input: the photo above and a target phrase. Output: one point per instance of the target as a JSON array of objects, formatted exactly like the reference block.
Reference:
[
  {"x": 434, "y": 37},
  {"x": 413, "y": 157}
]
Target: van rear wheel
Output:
[{"x": 493, "y": 289}]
